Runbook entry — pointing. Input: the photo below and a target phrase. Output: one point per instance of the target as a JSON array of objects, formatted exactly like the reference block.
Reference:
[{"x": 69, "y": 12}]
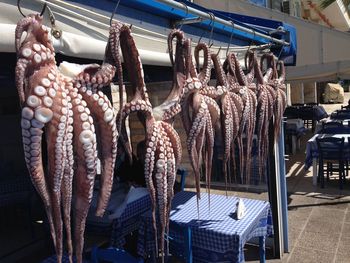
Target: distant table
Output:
[
  {"x": 129, "y": 220},
  {"x": 312, "y": 152},
  {"x": 306, "y": 112},
  {"x": 216, "y": 236}
]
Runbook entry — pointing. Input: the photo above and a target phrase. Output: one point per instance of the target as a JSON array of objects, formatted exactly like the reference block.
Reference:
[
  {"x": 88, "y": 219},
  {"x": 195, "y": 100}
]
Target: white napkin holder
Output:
[{"x": 240, "y": 209}]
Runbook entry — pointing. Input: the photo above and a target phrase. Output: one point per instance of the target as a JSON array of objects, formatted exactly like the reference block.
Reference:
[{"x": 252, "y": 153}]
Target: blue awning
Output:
[{"x": 164, "y": 15}]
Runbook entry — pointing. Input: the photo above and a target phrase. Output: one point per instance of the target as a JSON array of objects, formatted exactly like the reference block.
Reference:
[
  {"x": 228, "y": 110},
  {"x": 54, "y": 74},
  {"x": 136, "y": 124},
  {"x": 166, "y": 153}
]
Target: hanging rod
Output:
[
  {"x": 193, "y": 11},
  {"x": 73, "y": 10}
]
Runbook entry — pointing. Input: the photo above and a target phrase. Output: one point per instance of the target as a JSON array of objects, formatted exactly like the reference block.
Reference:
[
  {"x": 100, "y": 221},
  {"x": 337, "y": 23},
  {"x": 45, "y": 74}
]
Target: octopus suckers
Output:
[
  {"x": 85, "y": 125},
  {"x": 105, "y": 106},
  {"x": 37, "y": 58},
  {"x": 26, "y": 52},
  {"x": 108, "y": 116},
  {"x": 25, "y": 124},
  {"x": 47, "y": 101},
  {"x": 86, "y": 136},
  {"x": 43, "y": 115},
  {"x": 84, "y": 116},
  {"x": 40, "y": 90},
  {"x": 46, "y": 82},
  {"x": 27, "y": 113},
  {"x": 36, "y": 47},
  {"x": 33, "y": 101}
]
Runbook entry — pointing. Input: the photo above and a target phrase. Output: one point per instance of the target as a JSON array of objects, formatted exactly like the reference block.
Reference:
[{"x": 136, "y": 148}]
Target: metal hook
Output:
[
  {"x": 113, "y": 13},
  {"x": 218, "y": 51},
  {"x": 212, "y": 23},
  {"x": 20, "y": 10},
  {"x": 229, "y": 43},
  {"x": 251, "y": 42},
  {"x": 186, "y": 7},
  {"x": 57, "y": 33}
]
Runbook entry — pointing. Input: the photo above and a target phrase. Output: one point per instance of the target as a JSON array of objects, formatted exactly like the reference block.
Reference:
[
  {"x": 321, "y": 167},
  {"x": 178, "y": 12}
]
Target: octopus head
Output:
[{"x": 36, "y": 31}]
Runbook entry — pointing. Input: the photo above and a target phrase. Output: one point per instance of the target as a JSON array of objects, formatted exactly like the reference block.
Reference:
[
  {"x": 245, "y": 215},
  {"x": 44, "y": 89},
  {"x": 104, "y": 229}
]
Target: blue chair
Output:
[
  {"x": 332, "y": 127},
  {"x": 331, "y": 151},
  {"x": 181, "y": 248},
  {"x": 183, "y": 174},
  {"x": 113, "y": 255}
]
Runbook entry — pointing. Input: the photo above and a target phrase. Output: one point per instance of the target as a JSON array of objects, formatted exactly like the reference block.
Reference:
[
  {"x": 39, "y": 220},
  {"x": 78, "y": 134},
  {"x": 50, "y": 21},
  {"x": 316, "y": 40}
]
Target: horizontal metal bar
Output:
[
  {"x": 187, "y": 21},
  {"x": 193, "y": 11}
]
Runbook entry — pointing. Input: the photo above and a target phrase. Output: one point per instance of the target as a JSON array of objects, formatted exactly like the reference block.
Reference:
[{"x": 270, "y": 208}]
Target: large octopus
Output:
[
  {"x": 199, "y": 114},
  {"x": 242, "y": 86},
  {"x": 67, "y": 109},
  {"x": 163, "y": 146}
]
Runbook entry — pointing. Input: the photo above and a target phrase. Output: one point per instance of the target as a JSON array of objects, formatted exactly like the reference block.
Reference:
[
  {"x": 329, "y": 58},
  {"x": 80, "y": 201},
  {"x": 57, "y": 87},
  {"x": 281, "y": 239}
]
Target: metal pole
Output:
[{"x": 204, "y": 15}]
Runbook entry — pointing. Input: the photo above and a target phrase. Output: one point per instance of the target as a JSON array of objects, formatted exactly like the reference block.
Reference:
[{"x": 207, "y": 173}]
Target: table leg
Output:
[
  {"x": 294, "y": 144},
  {"x": 314, "y": 171},
  {"x": 262, "y": 249}
]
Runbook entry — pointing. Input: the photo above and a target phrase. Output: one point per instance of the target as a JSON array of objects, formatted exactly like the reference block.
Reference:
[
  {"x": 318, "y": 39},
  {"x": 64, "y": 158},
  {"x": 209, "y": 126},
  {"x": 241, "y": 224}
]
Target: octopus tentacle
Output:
[
  {"x": 171, "y": 107},
  {"x": 104, "y": 115},
  {"x": 204, "y": 74},
  {"x": 84, "y": 141},
  {"x": 151, "y": 140},
  {"x": 174, "y": 140},
  {"x": 21, "y": 68},
  {"x": 67, "y": 181}
]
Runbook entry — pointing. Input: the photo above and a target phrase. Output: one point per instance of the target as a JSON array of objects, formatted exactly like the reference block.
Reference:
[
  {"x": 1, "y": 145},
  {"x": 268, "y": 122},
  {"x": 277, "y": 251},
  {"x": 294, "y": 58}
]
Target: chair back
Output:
[
  {"x": 330, "y": 148},
  {"x": 332, "y": 127},
  {"x": 341, "y": 114},
  {"x": 114, "y": 255},
  {"x": 180, "y": 241},
  {"x": 182, "y": 173}
]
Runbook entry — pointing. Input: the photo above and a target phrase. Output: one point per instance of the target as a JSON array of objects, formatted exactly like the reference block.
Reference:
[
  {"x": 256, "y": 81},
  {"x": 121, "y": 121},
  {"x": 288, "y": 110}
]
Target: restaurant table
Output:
[
  {"x": 312, "y": 152},
  {"x": 217, "y": 236},
  {"x": 129, "y": 220},
  {"x": 313, "y": 113},
  {"x": 122, "y": 215}
]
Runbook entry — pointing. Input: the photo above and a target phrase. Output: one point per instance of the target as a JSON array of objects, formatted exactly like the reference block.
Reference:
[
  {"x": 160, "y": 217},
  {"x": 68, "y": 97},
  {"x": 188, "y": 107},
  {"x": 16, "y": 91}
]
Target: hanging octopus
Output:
[
  {"x": 276, "y": 81},
  {"x": 231, "y": 114},
  {"x": 171, "y": 106},
  {"x": 163, "y": 145},
  {"x": 199, "y": 115},
  {"x": 239, "y": 85},
  {"x": 67, "y": 111},
  {"x": 263, "y": 113}
]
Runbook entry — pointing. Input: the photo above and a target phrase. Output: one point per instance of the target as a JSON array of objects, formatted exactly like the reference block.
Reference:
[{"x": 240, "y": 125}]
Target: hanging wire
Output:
[
  {"x": 212, "y": 22},
  {"x": 229, "y": 43},
  {"x": 186, "y": 7},
  {"x": 113, "y": 13},
  {"x": 20, "y": 10}
]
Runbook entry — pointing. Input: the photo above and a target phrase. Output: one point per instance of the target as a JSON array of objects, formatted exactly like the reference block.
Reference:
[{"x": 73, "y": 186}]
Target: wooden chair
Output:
[{"x": 331, "y": 153}]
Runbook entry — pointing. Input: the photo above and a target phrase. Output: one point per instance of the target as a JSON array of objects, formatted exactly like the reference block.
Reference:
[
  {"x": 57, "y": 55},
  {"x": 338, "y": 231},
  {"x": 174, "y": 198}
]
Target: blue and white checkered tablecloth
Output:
[
  {"x": 216, "y": 235},
  {"x": 129, "y": 220}
]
